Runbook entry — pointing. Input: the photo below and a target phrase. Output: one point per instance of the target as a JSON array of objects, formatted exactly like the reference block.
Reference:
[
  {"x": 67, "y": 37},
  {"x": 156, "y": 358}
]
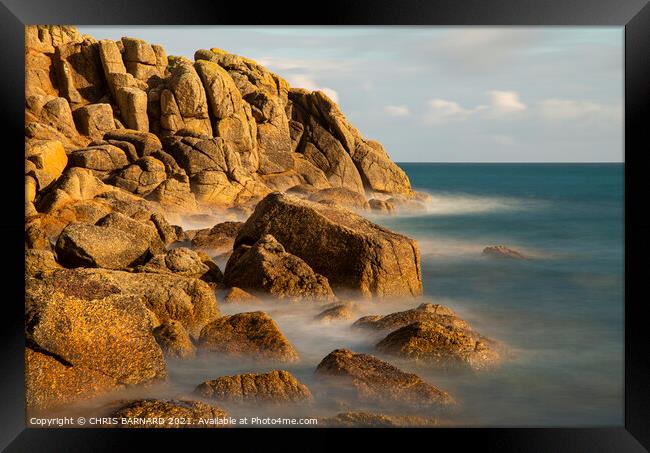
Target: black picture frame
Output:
[{"x": 634, "y": 15}]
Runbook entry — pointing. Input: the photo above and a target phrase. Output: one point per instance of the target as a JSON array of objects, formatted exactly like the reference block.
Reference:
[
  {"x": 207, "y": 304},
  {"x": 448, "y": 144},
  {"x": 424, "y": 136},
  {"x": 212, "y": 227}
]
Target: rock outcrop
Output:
[
  {"x": 423, "y": 313},
  {"x": 352, "y": 252},
  {"x": 237, "y": 130},
  {"x": 267, "y": 268},
  {"x": 372, "y": 379},
  {"x": 251, "y": 335},
  {"x": 278, "y": 387},
  {"x": 445, "y": 345}
]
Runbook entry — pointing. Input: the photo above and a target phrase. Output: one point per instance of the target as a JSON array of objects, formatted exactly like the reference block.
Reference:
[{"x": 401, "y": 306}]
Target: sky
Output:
[{"x": 443, "y": 94}]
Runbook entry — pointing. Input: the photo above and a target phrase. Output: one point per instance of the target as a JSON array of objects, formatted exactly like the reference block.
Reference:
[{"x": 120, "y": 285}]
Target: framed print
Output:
[{"x": 378, "y": 220}]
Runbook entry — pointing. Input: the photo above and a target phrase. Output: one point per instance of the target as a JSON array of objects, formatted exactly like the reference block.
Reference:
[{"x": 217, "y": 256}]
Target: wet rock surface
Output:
[
  {"x": 372, "y": 379},
  {"x": 278, "y": 387},
  {"x": 267, "y": 268},
  {"x": 250, "y": 335},
  {"x": 353, "y": 253}
]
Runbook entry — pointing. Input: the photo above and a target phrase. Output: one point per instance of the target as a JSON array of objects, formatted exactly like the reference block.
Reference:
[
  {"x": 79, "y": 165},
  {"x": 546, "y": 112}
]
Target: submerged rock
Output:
[
  {"x": 372, "y": 379},
  {"x": 447, "y": 346},
  {"x": 501, "y": 251},
  {"x": 174, "y": 340},
  {"x": 254, "y": 335},
  {"x": 238, "y": 295},
  {"x": 353, "y": 253},
  {"x": 172, "y": 413},
  {"x": 336, "y": 313},
  {"x": 218, "y": 239},
  {"x": 272, "y": 387},
  {"x": 424, "y": 312},
  {"x": 267, "y": 268}
]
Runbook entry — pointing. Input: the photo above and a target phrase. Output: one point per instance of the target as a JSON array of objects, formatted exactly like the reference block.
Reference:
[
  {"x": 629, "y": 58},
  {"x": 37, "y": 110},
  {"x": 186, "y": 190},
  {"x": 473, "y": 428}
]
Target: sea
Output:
[{"x": 560, "y": 313}]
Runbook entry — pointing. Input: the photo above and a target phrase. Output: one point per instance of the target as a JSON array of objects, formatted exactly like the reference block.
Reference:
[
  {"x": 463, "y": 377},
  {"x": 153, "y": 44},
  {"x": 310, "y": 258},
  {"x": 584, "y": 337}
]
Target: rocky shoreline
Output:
[{"x": 124, "y": 146}]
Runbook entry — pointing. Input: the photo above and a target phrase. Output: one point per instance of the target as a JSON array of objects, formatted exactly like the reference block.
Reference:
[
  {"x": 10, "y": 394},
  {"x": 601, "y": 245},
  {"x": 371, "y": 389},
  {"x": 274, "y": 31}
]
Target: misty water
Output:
[{"x": 560, "y": 314}]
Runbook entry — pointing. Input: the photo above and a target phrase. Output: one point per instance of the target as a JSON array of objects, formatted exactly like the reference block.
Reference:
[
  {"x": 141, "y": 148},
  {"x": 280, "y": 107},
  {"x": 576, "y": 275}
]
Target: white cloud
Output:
[
  {"x": 567, "y": 109},
  {"x": 502, "y": 104},
  {"x": 397, "y": 110},
  {"x": 441, "y": 110},
  {"x": 307, "y": 82},
  {"x": 505, "y": 102}
]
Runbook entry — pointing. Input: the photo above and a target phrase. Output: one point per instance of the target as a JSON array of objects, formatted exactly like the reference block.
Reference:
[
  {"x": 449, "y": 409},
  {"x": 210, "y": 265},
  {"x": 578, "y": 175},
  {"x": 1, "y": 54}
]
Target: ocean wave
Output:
[{"x": 455, "y": 203}]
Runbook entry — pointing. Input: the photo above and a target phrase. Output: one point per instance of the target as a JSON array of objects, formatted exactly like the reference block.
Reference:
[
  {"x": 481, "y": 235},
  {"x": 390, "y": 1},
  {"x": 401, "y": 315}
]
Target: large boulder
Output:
[
  {"x": 143, "y": 228},
  {"x": 253, "y": 335},
  {"x": 271, "y": 387},
  {"x": 444, "y": 345},
  {"x": 79, "y": 348},
  {"x": 188, "y": 300},
  {"x": 153, "y": 413},
  {"x": 424, "y": 312},
  {"x": 267, "y": 268},
  {"x": 352, "y": 252},
  {"x": 373, "y": 380},
  {"x": 82, "y": 245}
]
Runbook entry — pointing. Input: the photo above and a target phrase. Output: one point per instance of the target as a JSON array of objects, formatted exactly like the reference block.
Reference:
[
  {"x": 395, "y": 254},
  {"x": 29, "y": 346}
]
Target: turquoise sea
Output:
[{"x": 562, "y": 312}]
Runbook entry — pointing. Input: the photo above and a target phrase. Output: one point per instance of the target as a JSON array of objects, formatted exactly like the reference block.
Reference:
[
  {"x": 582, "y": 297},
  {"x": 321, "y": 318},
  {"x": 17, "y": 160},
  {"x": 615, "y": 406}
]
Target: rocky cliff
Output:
[
  {"x": 193, "y": 136},
  {"x": 121, "y": 140}
]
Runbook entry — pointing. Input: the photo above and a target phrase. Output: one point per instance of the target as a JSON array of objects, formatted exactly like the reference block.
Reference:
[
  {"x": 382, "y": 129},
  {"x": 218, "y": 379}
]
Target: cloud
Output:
[
  {"x": 397, "y": 110},
  {"x": 567, "y": 109},
  {"x": 505, "y": 102},
  {"x": 307, "y": 82},
  {"x": 502, "y": 104},
  {"x": 441, "y": 110}
]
